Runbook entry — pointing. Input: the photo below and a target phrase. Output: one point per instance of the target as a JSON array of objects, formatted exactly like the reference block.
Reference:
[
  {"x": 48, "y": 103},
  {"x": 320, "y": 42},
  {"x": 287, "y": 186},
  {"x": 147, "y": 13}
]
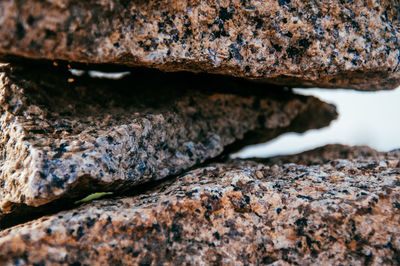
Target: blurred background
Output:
[{"x": 365, "y": 118}]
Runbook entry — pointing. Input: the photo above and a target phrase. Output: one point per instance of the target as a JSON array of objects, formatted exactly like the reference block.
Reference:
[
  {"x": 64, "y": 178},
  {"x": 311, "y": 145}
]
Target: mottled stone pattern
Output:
[
  {"x": 327, "y": 153},
  {"x": 339, "y": 213},
  {"x": 328, "y": 43},
  {"x": 65, "y": 136}
]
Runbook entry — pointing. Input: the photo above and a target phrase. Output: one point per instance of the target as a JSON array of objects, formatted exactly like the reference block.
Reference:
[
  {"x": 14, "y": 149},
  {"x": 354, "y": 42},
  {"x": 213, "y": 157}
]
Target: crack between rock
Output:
[
  {"x": 27, "y": 213},
  {"x": 86, "y": 185}
]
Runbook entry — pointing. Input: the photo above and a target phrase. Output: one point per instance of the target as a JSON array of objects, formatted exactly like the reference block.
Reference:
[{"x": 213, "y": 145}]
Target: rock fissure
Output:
[
  {"x": 348, "y": 44},
  {"x": 198, "y": 80},
  {"x": 122, "y": 133},
  {"x": 283, "y": 212}
]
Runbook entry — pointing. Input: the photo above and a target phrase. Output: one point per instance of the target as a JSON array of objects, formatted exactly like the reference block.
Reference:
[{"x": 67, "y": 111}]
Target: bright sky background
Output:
[{"x": 365, "y": 118}]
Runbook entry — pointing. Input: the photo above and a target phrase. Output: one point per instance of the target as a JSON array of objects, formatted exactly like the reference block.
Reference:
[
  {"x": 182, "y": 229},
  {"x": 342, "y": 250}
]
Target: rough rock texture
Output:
[
  {"x": 327, "y": 153},
  {"x": 65, "y": 136},
  {"x": 328, "y": 43},
  {"x": 345, "y": 212}
]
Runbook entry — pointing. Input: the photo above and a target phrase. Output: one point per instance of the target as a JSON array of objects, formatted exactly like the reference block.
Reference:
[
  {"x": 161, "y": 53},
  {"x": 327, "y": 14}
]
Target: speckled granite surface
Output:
[
  {"x": 344, "y": 212},
  {"x": 327, "y": 153},
  {"x": 63, "y": 136},
  {"x": 328, "y": 43}
]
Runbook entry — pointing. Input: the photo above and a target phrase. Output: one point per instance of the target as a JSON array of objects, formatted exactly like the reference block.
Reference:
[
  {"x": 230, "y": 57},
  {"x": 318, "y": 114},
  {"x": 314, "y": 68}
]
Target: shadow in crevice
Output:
[
  {"x": 64, "y": 95},
  {"x": 317, "y": 115},
  {"x": 26, "y": 213},
  {"x": 144, "y": 89},
  {"x": 23, "y": 213}
]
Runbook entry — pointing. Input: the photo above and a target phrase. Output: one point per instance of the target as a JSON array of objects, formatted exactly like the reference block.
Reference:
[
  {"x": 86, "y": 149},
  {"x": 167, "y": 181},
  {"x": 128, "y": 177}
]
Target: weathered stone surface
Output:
[
  {"x": 64, "y": 136},
  {"x": 327, "y": 153},
  {"x": 329, "y": 43},
  {"x": 345, "y": 212}
]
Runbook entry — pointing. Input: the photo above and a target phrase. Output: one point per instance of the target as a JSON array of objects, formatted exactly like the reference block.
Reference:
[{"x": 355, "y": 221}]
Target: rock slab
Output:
[
  {"x": 329, "y": 152},
  {"x": 63, "y": 136},
  {"x": 329, "y": 43},
  {"x": 241, "y": 212}
]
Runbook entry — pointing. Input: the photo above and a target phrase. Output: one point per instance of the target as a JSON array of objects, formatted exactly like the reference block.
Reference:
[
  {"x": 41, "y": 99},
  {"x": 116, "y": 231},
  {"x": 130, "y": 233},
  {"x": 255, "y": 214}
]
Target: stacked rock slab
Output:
[
  {"x": 64, "y": 136},
  {"x": 327, "y": 153},
  {"x": 345, "y": 211},
  {"x": 328, "y": 43}
]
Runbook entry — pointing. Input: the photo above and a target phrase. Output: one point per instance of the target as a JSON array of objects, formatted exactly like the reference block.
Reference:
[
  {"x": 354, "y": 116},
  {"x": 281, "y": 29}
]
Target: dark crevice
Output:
[
  {"x": 215, "y": 82},
  {"x": 24, "y": 213},
  {"x": 316, "y": 116},
  {"x": 306, "y": 120},
  {"x": 151, "y": 88}
]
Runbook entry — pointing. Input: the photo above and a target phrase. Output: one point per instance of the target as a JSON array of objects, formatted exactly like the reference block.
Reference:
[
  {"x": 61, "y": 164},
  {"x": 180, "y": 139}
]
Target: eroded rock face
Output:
[
  {"x": 341, "y": 212},
  {"x": 327, "y": 153},
  {"x": 329, "y": 43},
  {"x": 63, "y": 136}
]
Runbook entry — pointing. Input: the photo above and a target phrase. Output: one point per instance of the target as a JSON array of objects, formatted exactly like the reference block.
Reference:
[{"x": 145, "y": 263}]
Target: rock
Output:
[
  {"x": 327, "y": 153},
  {"x": 63, "y": 137},
  {"x": 342, "y": 212},
  {"x": 329, "y": 43}
]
